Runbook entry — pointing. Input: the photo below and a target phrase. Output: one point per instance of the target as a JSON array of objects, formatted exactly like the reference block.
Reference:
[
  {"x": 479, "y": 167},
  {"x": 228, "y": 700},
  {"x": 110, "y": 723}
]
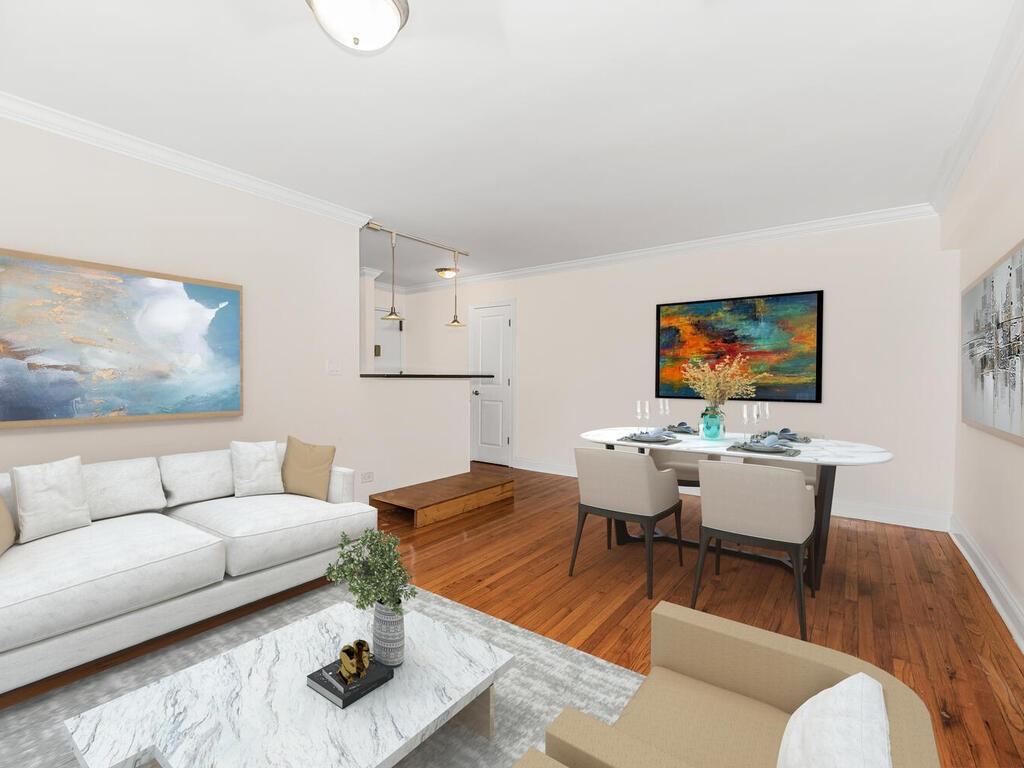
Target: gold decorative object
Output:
[
  {"x": 363, "y": 657},
  {"x": 348, "y": 669}
]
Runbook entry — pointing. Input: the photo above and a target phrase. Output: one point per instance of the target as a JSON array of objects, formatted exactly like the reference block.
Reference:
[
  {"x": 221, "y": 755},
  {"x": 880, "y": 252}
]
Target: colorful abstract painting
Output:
[
  {"x": 779, "y": 333},
  {"x": 992, "y": 321},
  {"x": 83, "y": 342}
]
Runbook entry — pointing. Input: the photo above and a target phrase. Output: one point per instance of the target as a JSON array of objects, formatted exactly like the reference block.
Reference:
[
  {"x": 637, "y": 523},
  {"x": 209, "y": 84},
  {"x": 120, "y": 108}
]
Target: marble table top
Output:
[
  {"x": 250, "y": 706},
  {"x": 836, "y": 453}
]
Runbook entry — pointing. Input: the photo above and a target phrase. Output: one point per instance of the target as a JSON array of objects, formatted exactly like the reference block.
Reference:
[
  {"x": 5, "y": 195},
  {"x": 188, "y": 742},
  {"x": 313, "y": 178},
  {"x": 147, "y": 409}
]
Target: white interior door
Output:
[
  {"x": 387, "y": 343},
  {"x": 491, "y": 351}
]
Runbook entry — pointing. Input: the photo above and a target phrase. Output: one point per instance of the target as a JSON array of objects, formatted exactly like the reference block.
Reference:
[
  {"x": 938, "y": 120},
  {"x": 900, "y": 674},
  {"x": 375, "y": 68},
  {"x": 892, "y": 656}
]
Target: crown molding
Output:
[
  {"x": 1001, "y": 69},
  {"x": 868, "y": 218},
  {"x": 30, "y": 113},
  {"x": 370, "y": 272}
]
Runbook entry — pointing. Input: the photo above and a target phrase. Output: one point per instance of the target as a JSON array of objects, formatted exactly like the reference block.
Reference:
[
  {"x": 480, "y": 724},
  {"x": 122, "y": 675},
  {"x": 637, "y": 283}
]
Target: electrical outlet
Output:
[{"x": 366, "y": 477}]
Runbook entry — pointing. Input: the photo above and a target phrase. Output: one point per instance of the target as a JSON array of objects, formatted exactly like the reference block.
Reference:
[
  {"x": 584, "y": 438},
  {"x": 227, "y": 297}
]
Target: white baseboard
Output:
[
  {"x": 520, "y": 462},
  {"x": 992, "y": 580},
  {"x": 929, "y": 520}
]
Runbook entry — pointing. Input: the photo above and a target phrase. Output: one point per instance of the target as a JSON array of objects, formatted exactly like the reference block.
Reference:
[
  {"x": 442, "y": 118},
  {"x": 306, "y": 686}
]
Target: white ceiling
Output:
[{"x": 531, "y": 131}]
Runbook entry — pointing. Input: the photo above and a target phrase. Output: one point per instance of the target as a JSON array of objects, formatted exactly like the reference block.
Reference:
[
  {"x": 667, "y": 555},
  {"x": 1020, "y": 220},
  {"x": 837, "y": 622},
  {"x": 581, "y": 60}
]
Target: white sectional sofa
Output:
[{"x": 145, "y": 566}]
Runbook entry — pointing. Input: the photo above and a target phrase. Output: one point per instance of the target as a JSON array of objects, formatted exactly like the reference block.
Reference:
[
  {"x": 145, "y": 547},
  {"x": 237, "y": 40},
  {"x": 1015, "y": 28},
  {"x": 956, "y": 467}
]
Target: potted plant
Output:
[
  {"x": 373, "y": 570},
  {"x": 717, "y": 382}
]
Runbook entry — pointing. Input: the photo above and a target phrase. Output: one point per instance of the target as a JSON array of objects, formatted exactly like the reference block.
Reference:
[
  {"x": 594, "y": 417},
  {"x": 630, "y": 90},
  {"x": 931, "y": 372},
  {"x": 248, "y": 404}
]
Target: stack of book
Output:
[{"x": 328, "y": 683}]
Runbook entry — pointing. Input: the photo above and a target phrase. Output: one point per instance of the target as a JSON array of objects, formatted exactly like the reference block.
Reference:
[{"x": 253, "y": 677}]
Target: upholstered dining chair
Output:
[
  {"x": 811, "y": 471},
  {"x": 682, "y": 463},
  {"x": 770, "y": 507},
  {"x": 618, "y": 485}
]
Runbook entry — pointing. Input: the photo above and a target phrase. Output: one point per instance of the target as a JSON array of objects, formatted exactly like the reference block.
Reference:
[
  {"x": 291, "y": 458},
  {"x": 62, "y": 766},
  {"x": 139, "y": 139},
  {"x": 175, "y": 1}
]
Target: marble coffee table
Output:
[{"x": 250, "y": 706}]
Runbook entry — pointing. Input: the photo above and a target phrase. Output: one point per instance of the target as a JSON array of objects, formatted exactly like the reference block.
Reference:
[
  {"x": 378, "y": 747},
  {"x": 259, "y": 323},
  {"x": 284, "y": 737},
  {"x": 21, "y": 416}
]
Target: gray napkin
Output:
[{"x": 753, "y": 448}]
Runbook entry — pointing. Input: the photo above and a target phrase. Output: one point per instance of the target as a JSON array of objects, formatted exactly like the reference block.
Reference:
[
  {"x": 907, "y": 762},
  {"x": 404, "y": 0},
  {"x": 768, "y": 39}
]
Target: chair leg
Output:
[
  {"x": 648, "y": 526},
  {"x": 700, "y": 566},
  {"x": 810, "y": 565},
  {"x": 576, "y": 542},
  {"x": 608, "y": 529},
  {"x": 679, "y": 533},
  {"x": 796, "y": 554},
  {"x": 718, "y": 556}
]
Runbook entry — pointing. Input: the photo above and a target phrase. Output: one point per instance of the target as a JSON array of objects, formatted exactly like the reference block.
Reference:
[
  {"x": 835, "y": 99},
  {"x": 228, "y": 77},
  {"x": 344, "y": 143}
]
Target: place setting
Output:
[{"x": 779, "y": 443}]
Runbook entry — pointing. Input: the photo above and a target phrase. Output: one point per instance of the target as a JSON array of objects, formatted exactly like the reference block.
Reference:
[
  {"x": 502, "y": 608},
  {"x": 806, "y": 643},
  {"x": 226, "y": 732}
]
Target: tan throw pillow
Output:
[
  {"x": 6, "y": 528},
  {"x": 306, "y": 470}
]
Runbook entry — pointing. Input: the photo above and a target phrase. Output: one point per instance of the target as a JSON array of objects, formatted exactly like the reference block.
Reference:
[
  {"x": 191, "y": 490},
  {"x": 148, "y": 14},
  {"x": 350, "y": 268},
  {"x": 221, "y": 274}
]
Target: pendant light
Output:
[
  {"x": 455, "y": 322},
  {"x": 361, "y": 25},
  {"x": 393, "y": 314}
]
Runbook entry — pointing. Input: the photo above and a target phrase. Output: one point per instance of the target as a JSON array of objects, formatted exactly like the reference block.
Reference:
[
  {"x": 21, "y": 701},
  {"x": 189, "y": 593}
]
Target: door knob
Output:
[{"x": 476, "y": 391}]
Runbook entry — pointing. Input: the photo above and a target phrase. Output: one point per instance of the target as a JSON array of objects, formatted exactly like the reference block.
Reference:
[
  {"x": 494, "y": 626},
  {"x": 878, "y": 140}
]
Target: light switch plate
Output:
[
  {"x": 333, "y": 366},
  {"x": 366, "y": 477}
]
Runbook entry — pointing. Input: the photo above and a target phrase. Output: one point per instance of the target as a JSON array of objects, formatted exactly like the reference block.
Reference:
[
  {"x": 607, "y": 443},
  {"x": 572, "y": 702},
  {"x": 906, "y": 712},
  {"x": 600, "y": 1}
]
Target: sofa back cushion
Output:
[
  {"x": 115, "y": 488},
  {"x": 190, "y": 477},
  {"x": 7, "y": 494}
]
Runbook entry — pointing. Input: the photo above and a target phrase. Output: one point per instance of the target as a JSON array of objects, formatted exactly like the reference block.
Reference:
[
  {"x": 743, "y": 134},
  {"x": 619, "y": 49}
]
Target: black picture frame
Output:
[{"x": 820, "y": 295}]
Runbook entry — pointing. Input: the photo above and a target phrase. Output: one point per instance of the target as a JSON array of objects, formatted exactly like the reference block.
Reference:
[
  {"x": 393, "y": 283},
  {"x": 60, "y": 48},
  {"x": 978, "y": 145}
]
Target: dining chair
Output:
[
  {"x": 769, "y": 507},
  {"x": 618, "y": 485},
  {"x": 682, "y": 463},
  {"x": 811, "y": 471}
]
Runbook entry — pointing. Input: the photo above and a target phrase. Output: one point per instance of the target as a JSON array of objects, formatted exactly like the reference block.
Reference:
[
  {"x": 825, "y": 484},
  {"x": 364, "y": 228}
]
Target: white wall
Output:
[
  {"x": 299, "y": 272},
  {"x": 983, "y": 219},
  {"x": 586, "y": 346}
]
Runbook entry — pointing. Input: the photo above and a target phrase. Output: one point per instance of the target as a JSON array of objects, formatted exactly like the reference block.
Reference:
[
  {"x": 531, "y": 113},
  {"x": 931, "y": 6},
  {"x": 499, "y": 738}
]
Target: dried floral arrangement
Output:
[{"x": 727, "y": 379}]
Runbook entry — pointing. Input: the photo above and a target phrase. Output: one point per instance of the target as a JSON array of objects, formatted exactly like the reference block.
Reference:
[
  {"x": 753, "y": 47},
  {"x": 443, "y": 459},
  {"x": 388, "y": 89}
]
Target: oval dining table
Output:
[{"x": 826, "y": 454}]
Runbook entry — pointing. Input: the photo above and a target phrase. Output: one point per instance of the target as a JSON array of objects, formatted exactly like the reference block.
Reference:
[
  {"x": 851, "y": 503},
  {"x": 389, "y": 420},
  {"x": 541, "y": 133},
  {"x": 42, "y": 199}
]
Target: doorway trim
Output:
[{"x": 514, "y": 317}]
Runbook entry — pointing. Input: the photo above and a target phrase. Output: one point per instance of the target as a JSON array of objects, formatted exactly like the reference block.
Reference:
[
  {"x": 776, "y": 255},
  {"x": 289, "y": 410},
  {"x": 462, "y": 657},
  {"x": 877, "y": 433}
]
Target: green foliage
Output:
[{"x": 373, "y": 570}]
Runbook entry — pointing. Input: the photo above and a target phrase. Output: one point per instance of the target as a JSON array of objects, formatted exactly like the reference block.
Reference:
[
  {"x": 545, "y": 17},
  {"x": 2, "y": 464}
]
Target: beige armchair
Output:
[
  {"x": 627, "y": 487},
  {"x": 719, "y": 695},
  {"x": 767, "y": 507}
]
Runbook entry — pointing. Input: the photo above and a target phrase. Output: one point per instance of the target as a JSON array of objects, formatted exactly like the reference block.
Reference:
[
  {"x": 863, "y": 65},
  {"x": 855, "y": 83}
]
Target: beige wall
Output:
[
  {"x": 984, "y": 219},
  {"x": 586, "y": 341},
  {"x": 300, "y": 276}
]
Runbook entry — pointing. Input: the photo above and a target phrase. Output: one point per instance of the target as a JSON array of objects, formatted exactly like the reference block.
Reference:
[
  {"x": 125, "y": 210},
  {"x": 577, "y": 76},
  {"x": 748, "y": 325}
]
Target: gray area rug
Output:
[{"x": 545, "y": 677}]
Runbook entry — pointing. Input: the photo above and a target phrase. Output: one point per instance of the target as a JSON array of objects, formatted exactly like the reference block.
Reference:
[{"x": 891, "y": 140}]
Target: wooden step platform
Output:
[{"x": 449, "y": 496}]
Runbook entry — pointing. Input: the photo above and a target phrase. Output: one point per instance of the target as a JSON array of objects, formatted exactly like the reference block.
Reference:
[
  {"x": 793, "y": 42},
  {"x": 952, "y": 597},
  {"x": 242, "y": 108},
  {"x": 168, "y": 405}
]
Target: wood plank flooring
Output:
[{"x": 901, "y": 598}]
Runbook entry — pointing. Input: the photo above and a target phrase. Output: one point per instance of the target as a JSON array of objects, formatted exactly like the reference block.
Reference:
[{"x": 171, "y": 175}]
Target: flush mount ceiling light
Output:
[
  {"x": 361, "y": 25},
  {"x": 447, "y": 272}
]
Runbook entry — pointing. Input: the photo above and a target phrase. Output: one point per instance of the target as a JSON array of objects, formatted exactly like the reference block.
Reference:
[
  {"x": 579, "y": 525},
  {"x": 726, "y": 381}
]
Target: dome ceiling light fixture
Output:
[{"x": 361, "y": 25}]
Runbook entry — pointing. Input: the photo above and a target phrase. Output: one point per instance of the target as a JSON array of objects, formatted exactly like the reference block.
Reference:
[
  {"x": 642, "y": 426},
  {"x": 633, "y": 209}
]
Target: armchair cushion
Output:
[
  {"x": 580, "y": 741},
  {"x": 703, "y": 724}
]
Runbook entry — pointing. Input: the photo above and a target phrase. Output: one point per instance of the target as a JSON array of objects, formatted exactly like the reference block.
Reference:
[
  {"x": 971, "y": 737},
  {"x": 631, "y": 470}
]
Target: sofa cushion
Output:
[
  {"x": 256, "y": 468},
  {"x": 51, "y": 498},
  {"x": 261, "y": 531},
  {"x": 190, "y": 477},
  {"x": 703, "y": 725},
  {"x": 115, "y": 488},
  {"x": 79, "y": 577}
]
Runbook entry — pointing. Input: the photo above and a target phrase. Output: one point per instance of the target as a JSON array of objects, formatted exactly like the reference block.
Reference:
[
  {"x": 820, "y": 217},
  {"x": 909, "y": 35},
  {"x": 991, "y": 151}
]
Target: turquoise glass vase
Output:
[{"x": 713, "y": 421}]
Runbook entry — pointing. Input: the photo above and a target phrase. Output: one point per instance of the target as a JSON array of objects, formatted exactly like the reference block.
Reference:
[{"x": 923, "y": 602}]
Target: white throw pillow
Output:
[
  {"x": 51, "y": 498},
  {"x": 845, "y": 726},
  {"x": 255, "y": 468}
]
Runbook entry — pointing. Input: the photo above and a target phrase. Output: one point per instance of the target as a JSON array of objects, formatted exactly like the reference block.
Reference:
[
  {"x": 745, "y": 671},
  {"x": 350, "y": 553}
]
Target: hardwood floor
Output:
[{"x": 901, "y": 598}]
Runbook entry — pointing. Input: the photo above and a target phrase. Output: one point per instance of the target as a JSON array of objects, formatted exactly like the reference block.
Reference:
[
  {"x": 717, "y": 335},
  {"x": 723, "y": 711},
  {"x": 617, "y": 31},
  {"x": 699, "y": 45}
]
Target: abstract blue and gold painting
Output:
[{"x": 83, "y": 342}]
